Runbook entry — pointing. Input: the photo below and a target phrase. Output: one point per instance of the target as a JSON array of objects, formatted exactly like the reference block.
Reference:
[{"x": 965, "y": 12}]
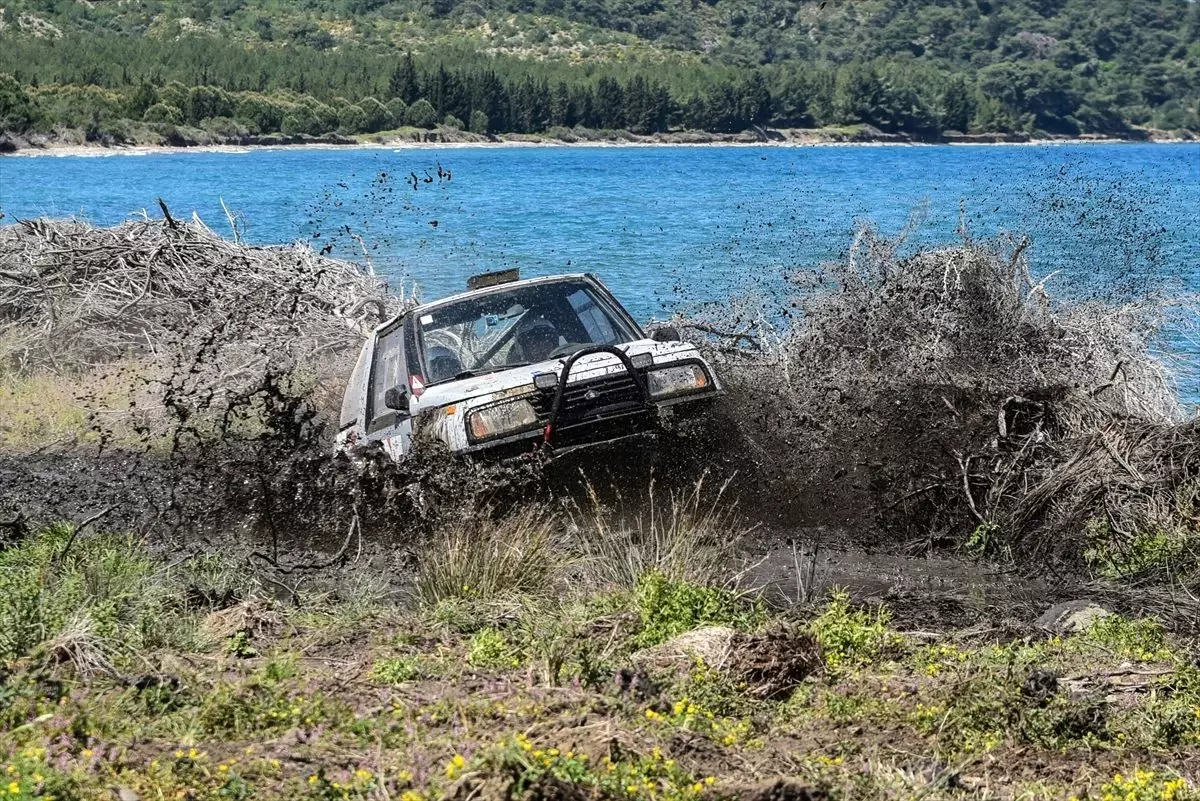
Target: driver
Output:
[{"x": 537, "y": 341}]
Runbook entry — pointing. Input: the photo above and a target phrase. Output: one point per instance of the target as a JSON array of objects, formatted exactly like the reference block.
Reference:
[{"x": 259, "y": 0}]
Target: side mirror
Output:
[
  {"x": 668, "y": 333},
  {"x": 396, "y": 399}
]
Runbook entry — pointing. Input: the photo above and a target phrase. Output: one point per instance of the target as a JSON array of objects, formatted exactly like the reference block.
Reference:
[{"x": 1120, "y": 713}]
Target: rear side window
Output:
[
  {"x": 388, "y": 372},
  {"x": 353, "y": 399}
]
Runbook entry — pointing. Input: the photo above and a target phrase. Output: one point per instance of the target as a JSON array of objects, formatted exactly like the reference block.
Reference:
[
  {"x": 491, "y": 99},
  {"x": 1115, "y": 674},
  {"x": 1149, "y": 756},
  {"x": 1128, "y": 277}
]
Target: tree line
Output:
[{"x": 920, "y": 102}]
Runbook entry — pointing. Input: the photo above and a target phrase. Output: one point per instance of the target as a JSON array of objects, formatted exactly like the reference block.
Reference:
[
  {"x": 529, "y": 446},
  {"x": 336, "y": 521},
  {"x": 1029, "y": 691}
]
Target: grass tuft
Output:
[
  {"x": 86, "y": 596},
  {"x": 851, "y": 638},
  {"x": 687, "y": 539},
  {"x": 667, "y": 608},
  {"x": 484, "y": 560}
]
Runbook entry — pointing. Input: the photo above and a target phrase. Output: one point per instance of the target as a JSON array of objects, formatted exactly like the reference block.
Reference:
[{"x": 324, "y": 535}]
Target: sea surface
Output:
[{"x": 663, "y": 226}]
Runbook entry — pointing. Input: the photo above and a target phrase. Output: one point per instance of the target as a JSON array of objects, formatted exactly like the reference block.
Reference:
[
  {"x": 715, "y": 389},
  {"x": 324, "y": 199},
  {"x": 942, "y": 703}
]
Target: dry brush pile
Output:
[
  {"x": 218, "y": 361},
  {"x": 71, "y": 293},
  {"x": 945, "y": 397},
  {"x": 167, "y": 329},
  {"x": 74, "y": 296}
]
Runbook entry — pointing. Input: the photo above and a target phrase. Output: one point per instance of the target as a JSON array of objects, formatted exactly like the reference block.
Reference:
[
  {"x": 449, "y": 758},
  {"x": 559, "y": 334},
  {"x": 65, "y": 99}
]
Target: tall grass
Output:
[
  {"x": 686, "y": 536},
  {"x": 482, "y": 559},
  {"x": 91, "y": 600}
]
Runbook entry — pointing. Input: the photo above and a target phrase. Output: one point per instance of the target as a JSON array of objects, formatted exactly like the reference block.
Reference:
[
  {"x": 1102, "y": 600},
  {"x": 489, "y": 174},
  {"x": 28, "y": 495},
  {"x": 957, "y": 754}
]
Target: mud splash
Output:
[
  {"x": 944, "y": 399},
  {"x": 935, "y": 401}
]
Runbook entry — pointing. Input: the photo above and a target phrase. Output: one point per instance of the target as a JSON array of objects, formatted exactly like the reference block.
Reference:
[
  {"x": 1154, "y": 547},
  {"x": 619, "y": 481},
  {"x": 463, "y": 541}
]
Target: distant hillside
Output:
[{"x": 242, "y": 68}]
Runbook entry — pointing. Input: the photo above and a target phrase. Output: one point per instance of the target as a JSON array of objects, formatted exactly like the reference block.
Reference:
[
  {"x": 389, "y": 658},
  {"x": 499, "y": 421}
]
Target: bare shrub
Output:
[
  {"x": 688, "y": 537},
  {"x": 946, "y": 397}
]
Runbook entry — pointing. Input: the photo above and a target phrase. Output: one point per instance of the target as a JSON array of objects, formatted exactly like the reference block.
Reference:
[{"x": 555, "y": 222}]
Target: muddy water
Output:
[{"x": 941, "y": 590}]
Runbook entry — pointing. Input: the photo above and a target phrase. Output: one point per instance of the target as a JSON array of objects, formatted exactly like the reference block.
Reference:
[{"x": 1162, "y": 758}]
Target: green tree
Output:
[
  {"x": 403, "y": 82},
  {"x": 259, "y": 113},
  {"x": 17, "y": 109},
  {"x": 956, "y": 106},
  {"x": 161, "y": 112},
  {"x": 352, "y": 119},
  {"x": 421, "y": 114},
  {"x": 396, "y": 108},
  {"x": 143, "y": 97},
  {"x": 324, "y": 116},
  {"x": 479, "y": 122},
  {"x": 857, "y": 94},
  {"x": 610, "y": 103},
  {"x": 378, "y": 116},
  {"x": 203, "y": 102},
  {"x": 560, "y": 105},
  {"x": 300, "y": 121},
  {"x": 173, "y": 93}
]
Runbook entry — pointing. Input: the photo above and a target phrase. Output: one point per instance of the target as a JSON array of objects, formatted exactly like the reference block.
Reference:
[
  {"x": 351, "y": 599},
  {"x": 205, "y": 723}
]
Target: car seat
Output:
[{"x": 535, "y": 342}]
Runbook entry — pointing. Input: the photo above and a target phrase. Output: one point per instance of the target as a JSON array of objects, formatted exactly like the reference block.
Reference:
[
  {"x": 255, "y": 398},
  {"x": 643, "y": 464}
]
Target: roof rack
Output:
[{"x": 494, "y": 278}]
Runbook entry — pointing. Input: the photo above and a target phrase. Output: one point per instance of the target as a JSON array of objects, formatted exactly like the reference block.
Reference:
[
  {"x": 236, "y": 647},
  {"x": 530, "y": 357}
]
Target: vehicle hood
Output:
[{"x": 517, "y": 380}]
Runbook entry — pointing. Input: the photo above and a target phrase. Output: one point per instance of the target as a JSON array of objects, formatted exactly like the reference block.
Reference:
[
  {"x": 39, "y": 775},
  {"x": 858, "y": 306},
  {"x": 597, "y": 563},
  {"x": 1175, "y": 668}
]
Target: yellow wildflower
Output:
[{"x": 455, "y": 766}]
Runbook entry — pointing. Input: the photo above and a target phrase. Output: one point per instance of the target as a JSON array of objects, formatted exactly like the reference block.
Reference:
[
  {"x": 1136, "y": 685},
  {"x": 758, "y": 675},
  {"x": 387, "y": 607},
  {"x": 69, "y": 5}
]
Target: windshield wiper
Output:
[{"x": 477, "y": 372}]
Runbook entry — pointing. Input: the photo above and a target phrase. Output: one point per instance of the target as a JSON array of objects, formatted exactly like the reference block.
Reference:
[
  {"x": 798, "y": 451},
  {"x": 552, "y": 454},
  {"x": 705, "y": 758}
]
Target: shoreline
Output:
[{"x": 446, "y": 140}]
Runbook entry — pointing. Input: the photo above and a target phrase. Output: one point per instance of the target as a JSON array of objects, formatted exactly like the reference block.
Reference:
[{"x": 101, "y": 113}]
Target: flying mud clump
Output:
[{"x": 945, "y": 398}]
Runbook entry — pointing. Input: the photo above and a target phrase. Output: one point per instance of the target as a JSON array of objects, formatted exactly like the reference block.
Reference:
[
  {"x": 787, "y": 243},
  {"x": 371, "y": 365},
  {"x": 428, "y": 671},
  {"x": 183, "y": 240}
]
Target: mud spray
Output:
[{"x": 919, "y": 398}]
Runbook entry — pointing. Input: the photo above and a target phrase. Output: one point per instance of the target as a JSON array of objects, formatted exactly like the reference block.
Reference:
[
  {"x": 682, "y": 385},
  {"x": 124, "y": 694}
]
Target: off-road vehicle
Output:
[{"x": 511, "y": 367}]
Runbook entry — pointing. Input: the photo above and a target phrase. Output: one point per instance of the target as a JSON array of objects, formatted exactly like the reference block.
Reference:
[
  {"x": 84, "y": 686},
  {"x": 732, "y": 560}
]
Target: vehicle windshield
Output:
[{"x": 523, "y": 325}]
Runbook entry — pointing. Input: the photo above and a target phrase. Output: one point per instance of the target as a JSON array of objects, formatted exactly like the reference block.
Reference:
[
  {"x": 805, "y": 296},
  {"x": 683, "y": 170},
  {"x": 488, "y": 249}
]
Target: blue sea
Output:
[{"x": 662, "y": 226}]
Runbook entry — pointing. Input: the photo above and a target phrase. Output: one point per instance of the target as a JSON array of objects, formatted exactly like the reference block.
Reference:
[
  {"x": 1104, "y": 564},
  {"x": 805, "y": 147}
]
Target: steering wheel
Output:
[{"x": 566, "y": 349}]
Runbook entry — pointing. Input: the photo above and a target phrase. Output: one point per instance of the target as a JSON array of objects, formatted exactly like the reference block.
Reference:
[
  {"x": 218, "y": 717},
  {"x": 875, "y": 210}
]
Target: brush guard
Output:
[{"x": 639, "y": 381}]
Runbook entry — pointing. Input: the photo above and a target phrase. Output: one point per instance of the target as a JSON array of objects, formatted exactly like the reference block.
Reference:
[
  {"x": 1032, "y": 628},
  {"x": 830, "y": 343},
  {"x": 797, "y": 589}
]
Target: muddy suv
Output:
[{"x": 545, "y": 365}]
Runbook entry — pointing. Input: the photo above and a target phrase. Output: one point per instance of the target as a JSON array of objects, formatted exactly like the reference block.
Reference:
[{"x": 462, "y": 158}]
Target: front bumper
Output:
[
  {"x": 637, "y": 428},
  {"x": 617, "y": 406}
]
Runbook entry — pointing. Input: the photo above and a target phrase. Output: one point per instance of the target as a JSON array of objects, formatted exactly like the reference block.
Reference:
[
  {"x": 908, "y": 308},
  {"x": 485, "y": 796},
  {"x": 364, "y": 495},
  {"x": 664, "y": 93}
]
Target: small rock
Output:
[
  {"x": 779, "y": 790},
  {"x": 126, "y": 794},
  {"x": 711, "y": 644},
  {"x": 1072, "y": 617}
]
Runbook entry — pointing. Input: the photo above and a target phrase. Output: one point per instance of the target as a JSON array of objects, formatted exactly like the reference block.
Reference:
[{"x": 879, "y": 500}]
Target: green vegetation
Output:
[
  {"x": 240, "y": 69},
  {"x": 669, "y": 608},
  {"x": 851, "y": 637},
  {"x": 317, "y": 699}
]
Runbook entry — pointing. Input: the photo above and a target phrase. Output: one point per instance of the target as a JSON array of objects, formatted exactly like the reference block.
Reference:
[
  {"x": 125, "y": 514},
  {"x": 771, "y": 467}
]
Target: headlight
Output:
[
  {"x": 667, "y": 381},
  {"x": 501, "y": 419}
]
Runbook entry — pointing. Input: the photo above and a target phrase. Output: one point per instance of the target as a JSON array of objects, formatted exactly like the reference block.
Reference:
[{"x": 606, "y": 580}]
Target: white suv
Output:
[{"x": 510, "y": 367}]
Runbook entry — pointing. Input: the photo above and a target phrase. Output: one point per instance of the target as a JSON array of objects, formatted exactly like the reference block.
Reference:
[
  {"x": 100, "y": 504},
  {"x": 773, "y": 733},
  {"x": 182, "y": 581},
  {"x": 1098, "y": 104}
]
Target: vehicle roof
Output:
[{"x": 474, "y": 293}]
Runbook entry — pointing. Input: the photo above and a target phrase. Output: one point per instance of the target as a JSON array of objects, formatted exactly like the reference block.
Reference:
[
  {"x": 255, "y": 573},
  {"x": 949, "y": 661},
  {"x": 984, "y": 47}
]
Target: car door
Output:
[
  {"x": 389, "y": 368},
  {"x": 352, "y": 421}
]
